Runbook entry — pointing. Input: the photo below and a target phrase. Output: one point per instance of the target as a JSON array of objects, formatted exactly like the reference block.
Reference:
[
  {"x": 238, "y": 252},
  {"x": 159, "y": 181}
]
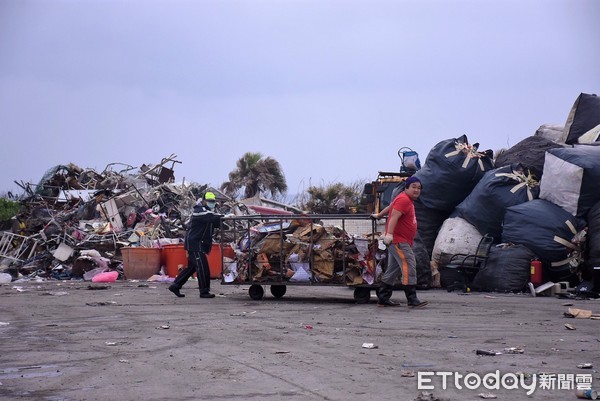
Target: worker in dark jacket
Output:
[{"x": 198, "y": 243}]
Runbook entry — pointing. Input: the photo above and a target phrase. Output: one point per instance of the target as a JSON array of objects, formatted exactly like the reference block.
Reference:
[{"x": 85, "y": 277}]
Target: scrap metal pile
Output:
[{"x": 76, "y": 220}]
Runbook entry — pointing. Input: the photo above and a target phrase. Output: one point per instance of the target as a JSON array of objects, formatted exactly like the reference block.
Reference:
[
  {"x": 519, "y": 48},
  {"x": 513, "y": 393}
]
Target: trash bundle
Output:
[
  {"x": 497, "y": 190},
  {"x": 452, "y": 169},
  {"x": 300, "y": 250}
]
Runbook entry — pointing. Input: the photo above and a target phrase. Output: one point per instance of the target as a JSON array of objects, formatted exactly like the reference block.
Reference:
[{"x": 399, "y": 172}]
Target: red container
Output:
[
  {"x": 140, "y": 263},
  {"x": 215, "y": 261},
  {"x": 175, "y": 257},
  {"x": 536, "y": 272}
]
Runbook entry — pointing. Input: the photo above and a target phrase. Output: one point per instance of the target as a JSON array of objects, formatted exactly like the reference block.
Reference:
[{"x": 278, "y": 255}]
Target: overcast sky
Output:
[{"x": 331, "y": 89}]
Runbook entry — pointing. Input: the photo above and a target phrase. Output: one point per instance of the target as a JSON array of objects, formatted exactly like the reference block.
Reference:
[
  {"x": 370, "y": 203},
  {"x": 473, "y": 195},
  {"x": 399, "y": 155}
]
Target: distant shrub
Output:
[{"x": 8, "y": 209}]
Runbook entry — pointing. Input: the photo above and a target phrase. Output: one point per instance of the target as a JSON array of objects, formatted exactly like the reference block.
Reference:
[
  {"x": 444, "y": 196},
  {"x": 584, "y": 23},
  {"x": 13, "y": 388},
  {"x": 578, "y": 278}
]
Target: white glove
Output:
[
  {"x": 374, "y": 216},
  {"x": 388, "y": 238}
]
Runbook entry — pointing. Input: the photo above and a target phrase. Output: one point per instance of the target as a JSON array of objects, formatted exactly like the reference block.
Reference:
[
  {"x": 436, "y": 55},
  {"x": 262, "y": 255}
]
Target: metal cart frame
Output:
[{"x": 247, "y": 232}]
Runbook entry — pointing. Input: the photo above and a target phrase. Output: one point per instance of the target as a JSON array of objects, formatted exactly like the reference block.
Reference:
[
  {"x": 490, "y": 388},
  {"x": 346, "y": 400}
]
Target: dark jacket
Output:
[{"x": 200, "y": 232}]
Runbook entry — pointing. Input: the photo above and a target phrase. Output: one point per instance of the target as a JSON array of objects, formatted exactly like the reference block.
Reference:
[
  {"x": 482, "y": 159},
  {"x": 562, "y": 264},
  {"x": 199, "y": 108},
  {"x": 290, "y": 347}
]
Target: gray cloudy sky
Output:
[{"x": 329, "y": 88}]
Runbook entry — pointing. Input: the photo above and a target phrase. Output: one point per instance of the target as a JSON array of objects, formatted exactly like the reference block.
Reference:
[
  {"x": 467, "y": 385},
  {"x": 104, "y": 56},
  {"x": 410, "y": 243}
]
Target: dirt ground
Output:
[{"x": 73, "y": 340}]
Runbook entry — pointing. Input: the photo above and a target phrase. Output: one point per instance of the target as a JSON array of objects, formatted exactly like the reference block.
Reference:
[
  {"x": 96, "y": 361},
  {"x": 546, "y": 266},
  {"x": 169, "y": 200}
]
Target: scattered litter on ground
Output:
[
  {"x": 101, "y": 303},
  {"x": 98, "y": 287},
  {"x": 578, "y": 313},
  {"x": 514, "y": 350},
  {"x": 487, "y": 352},
  {"x": 427, "y": 396}
]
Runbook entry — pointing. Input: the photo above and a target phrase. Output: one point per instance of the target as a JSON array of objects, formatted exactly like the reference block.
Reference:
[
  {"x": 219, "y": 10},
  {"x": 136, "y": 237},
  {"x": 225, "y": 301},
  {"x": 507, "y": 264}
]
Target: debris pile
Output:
[
  {"x": 539, "y": 200},
  {"x": 302, "y": 250},
  {"x": 76, "y": 220}
]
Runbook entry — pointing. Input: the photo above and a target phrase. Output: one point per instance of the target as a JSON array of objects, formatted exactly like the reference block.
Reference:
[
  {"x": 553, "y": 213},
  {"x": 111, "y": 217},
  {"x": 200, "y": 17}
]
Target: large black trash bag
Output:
[
  {"x": 507, "y": 269},
  {"x": 571, "y": 178},
  {"x": 429, "y": 222},
  {"x": 593, "y": 234},
  {"x": 543, "y": 227},
  {"x": 423, "y": 264},
  {"x": 530, "y": 153},
  {"x": 498, "y": 189},
  {"x": 451, "y": 171},
  {"x": 584, "y": 115}
]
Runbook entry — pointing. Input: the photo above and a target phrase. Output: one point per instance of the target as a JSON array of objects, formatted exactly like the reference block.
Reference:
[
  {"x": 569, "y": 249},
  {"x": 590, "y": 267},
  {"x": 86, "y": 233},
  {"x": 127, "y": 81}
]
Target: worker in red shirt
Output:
[{"x": 400, "y": 231}]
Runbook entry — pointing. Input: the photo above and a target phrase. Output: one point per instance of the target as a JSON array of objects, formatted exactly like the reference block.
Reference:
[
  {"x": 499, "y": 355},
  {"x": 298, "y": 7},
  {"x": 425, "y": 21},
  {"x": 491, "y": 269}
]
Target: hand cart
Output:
[{"x": 301, "y": 250}]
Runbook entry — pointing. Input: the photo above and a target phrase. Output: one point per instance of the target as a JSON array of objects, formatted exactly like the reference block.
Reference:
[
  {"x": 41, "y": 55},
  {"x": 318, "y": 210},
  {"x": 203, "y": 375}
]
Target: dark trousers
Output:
[{"x": 197, "y": 263}]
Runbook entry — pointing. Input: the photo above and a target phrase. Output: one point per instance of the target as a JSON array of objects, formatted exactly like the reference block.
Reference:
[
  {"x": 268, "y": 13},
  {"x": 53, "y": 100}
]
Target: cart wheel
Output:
[
  {"x": 256, "y": 292},
  {"x": 362, "y": 295},
  {"x": 278, "y": 290}
]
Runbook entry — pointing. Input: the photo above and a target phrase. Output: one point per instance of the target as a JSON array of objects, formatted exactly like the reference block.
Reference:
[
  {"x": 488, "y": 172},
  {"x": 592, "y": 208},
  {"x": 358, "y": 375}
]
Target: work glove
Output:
[
  {"x": 374, "y": 216},
  {"x": 388, "y": 238}
]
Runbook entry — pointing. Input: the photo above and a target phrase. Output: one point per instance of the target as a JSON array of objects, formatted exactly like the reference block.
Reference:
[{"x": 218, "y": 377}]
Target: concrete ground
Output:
[{"x": 73, "y": 340}]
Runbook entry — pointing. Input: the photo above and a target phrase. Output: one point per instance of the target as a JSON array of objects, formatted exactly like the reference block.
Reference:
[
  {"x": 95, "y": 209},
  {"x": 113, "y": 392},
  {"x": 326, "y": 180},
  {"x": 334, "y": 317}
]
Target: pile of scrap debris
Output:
[
  {"x": 315, "y": 249},
  {"x": 73, "y": 211},
  {"x": 540, "y": 199}
]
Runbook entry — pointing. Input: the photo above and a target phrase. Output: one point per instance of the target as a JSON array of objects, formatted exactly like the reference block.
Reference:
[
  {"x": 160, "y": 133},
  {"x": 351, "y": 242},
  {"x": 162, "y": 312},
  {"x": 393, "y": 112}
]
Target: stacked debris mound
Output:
[
  {"x": 300, "y": 250},
  {"x": 539, "y": 203},
  {"x": 73, "y": 211}
]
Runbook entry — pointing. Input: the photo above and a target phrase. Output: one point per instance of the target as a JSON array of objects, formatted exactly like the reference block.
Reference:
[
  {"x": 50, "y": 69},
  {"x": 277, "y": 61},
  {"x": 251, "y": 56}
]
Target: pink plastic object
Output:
[{"x": 106, "y": 277}]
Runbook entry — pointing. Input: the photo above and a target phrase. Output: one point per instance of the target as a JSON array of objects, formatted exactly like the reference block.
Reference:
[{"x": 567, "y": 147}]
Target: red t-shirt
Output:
[{"x": 406, "y": 227}]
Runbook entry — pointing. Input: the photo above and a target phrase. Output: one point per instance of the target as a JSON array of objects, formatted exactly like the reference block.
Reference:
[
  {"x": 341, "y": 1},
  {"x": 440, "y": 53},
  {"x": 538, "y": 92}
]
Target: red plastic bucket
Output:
[
  {"x": 175, "y": 257},
  {"x": 140, "y": 263},
  {"x": 215, "y": 261}
]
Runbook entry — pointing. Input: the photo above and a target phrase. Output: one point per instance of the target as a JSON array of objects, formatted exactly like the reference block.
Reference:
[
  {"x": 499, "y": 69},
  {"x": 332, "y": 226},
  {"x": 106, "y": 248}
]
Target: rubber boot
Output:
[
  {"x": 384, "y": 294},
  {"x": 411, "y": 297}
]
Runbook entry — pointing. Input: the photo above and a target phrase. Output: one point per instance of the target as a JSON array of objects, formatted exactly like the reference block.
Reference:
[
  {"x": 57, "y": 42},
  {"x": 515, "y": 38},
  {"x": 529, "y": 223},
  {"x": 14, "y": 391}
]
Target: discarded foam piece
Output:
[
  {"x": 105, "y": 277},
  {"x": 5, "y": 278}
]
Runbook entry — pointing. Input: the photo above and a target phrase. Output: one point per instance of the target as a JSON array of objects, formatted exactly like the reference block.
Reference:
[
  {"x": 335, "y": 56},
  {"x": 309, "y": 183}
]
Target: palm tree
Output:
[
  {"x": 321, "y": 199},
  {"x": 256, "y": 175}
]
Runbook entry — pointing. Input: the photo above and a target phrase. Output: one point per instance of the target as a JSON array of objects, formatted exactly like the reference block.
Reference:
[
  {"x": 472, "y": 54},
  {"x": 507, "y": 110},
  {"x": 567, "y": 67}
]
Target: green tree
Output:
[
  {"x": 321, "y": 199},
  {"x": 8, "y": 209},
  {"x": 255, "y": 175}
]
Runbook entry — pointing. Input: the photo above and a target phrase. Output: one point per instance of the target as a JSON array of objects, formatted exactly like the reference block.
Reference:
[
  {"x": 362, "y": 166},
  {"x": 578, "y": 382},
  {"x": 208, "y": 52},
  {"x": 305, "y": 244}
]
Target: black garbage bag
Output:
[
  {"x": 507, "y": 269},
  {"x": 530, "y": 153},
  {"x": 584, "y": 115},
  {"x": 571, "y": 177},
  {"x": 593, "y": 234},
  {"x": 452, "y": 169},
  {"x": 499, "y": 189},
  {"x": 543, "y": 227}
]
